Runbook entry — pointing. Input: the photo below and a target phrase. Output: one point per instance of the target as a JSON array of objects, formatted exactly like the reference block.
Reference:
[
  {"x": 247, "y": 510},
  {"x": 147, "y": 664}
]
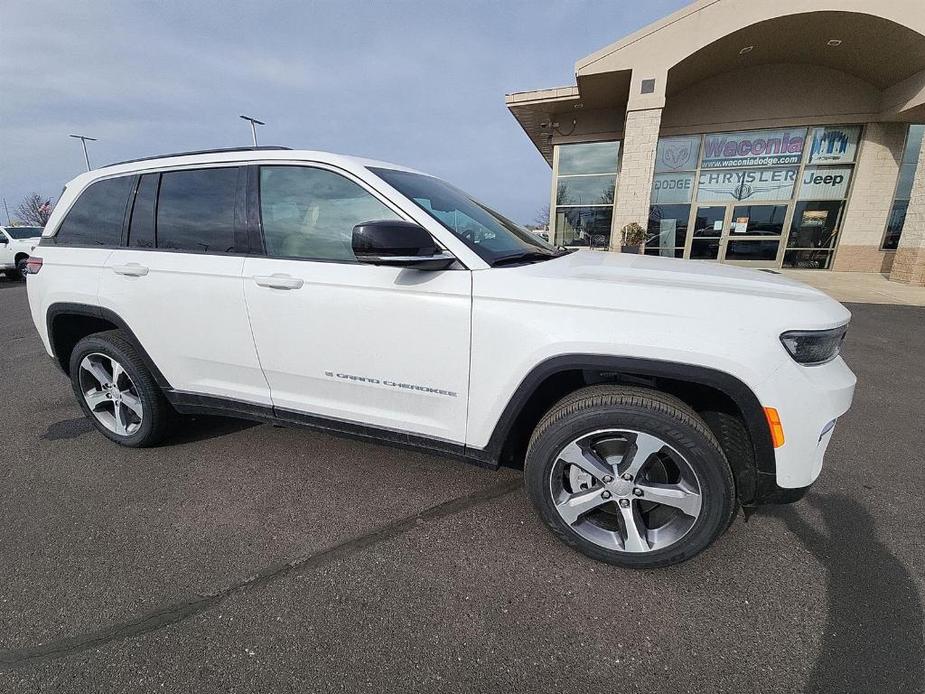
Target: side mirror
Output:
[{"x": 398, "y": 244}]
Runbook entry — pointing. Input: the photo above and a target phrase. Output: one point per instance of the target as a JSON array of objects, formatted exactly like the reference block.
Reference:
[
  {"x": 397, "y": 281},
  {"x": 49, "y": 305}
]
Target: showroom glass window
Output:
[
  {"x": 823, "y": 191},
  {"x": 585, "y": 186},
  {"x": 672, "y": 189},
  {"x": 897, "y": 218}
]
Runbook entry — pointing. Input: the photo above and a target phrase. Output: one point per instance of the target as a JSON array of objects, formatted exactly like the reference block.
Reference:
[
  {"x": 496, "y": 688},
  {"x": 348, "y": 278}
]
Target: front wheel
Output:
[
  {"x": 629, "y": 476},
  {"x": 117, "y": 392}
]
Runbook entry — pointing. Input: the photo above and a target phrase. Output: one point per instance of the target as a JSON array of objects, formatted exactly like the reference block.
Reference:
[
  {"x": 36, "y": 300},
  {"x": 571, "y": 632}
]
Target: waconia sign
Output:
[
  {"x": 747, "y": 184},
  {"x": 753, "y": 148}
]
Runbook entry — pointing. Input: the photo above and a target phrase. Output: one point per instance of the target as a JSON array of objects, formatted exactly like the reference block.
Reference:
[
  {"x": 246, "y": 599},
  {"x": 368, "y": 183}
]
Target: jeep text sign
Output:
[
  {"x": 825, "y": 182},
  {"x": 753, "y": 148}
]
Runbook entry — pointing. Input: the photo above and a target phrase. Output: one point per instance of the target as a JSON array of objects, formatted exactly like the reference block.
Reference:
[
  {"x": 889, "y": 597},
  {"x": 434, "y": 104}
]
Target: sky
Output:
[{"x": 416, "y": 83}]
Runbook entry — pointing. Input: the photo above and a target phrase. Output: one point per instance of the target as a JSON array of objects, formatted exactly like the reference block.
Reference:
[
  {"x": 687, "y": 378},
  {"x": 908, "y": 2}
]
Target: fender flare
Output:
[
  {"x": 735, "y": 389},
  {"x": 59, "y": 309}
]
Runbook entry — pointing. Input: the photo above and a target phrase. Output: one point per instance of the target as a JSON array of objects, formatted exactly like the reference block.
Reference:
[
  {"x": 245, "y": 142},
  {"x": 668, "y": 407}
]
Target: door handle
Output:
[
  {"x": 130, "y": 269},
  {"x": 278, "y": 281}
]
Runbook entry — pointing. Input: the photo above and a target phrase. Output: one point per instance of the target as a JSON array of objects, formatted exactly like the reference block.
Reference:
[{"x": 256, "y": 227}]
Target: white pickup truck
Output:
[
  {"x": 646, "y": 398},
  {"x": 16, "y": 245}
]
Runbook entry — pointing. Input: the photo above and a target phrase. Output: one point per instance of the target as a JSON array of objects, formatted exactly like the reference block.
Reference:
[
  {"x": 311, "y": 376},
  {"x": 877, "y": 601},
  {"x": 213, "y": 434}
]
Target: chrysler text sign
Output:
[
  {"x": 746, "y": 184},
  {"x": 753, "y": 148}
]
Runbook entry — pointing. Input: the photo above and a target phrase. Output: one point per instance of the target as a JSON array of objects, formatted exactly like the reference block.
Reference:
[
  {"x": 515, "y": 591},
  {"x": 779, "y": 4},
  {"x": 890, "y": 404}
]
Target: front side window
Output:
[
  {"x": 493, "y": 237},
  {"x": 95, "y": 218},
  {"x": 310, "y": 213},
  {"x": 195, "y": 210}
]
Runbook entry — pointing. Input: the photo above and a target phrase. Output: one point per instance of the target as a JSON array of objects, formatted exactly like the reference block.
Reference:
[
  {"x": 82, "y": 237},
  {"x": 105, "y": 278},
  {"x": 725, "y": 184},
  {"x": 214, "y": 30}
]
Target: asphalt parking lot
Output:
[{"x": 251, "y": 558}]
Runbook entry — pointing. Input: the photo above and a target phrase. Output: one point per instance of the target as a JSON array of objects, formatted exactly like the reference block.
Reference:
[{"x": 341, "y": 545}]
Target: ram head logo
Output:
[{"x": 675, "y": 156}]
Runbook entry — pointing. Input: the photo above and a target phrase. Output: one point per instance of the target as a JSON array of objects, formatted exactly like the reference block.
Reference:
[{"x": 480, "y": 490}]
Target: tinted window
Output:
[
  {"x": 195, "y": 210},
  {"x": 96, "y": 217},
  {"x": 141, "y": 228},
  {"x": 310, "y": 213}
]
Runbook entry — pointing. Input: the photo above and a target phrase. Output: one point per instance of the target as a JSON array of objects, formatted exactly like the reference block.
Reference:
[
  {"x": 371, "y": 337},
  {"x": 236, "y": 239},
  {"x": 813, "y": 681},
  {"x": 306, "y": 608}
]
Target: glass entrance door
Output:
[
  {"x": 754, "y": 234},
  {"x": 742, "y": 234},
  {"x": 709, "y": 227}
]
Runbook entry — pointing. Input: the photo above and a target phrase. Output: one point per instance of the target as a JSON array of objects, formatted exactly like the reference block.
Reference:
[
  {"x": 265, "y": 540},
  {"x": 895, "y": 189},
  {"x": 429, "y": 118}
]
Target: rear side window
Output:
[
  {"x": 195, "y": 210},
  {"x": 96, "y": 217},
  {"x": 310, "y": 213},
  {"x": 141, "y": 227}
]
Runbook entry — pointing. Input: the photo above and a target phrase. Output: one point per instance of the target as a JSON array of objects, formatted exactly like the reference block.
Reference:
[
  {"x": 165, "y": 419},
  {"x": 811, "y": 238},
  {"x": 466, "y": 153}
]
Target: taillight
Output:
[{"x": 33, "y": 265}]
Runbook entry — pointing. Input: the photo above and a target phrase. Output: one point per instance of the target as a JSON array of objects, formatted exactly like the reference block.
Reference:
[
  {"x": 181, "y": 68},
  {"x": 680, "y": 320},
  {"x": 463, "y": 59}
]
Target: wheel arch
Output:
[
  {"x": 21, "y": 255},
  {"x": 703, "y": 388},
  {"x": 68, "y": 323}
]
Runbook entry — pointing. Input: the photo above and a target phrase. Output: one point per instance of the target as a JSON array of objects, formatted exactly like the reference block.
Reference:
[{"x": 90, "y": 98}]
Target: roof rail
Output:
[{"x": 199, "y": 151}]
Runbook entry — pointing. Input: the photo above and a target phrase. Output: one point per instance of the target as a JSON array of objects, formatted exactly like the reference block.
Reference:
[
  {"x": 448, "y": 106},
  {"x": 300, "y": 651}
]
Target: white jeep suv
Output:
[
  {"x": 16, "y": 245},
  {"x": 646, "y": 398}
]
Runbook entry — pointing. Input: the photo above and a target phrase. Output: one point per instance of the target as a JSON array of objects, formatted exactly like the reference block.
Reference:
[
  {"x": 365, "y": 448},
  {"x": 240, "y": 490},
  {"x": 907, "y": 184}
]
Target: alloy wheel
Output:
[
  {"x": 110, "y": 394},
  {"x": 625, "y": 490}
]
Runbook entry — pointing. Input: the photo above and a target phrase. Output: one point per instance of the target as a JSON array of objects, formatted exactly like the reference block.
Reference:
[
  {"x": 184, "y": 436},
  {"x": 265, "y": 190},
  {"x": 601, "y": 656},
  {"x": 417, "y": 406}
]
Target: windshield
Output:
[
  {"x": 23, "y": 232},
  {"x": 497, "y": 240}
]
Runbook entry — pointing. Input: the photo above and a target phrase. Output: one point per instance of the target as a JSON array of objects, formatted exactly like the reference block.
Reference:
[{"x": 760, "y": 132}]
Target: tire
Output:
[
  {"x": 679, "y": 495},
  {"x": 21, "y": 269},
  {"x": 143, "y": 412}
]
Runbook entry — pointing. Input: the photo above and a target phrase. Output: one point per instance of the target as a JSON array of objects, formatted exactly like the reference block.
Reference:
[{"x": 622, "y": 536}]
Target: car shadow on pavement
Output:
[
  {"x": 204, "y": 427},
  {"x": 873, "y": 638}
]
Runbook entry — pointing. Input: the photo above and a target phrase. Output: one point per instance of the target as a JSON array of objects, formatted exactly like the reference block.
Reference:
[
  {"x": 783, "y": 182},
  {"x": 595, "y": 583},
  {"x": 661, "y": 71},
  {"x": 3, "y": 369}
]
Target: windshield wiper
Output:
[{"x": 527, "y": 257}]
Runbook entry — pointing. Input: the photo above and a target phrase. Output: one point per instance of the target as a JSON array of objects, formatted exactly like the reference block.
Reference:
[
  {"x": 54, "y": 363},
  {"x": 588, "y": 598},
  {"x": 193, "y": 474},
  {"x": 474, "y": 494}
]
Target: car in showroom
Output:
[
  {"x": 646, "y": 398},
  {"x": 16, "y": 245}
]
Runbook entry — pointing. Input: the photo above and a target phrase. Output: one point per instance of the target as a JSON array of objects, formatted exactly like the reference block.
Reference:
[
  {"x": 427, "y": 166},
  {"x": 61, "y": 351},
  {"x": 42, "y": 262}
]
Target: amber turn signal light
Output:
[{"x": 777, "y": 429}]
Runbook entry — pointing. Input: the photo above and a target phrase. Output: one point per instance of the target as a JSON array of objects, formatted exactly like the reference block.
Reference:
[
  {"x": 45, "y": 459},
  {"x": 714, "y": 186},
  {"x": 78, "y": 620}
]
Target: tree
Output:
[
  {"x": 541, "y": 220},
  {"x": 34, "y": 210}
]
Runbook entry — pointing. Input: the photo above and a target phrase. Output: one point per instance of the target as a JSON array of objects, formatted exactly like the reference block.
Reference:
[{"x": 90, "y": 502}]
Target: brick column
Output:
[
  {"x": 875, "y": 175},
  {"x": 909, "y": 263},
  {"x": 640, "y": 139}
]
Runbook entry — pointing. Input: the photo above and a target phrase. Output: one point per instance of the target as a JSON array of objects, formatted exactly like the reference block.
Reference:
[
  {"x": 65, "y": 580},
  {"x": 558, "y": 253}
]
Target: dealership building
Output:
[{"x": 782, "y": 133}]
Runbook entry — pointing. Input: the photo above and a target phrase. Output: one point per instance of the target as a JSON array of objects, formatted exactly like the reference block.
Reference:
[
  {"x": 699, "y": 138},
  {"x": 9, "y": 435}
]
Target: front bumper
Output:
[{"x": 809, "y": 400}]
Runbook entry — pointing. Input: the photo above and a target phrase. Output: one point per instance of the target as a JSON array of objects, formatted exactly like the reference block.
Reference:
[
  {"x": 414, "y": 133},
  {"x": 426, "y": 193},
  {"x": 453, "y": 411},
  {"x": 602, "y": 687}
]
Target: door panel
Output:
[
  {"x": 188, "y": 311},
  {"x": 374, "y": 345}
]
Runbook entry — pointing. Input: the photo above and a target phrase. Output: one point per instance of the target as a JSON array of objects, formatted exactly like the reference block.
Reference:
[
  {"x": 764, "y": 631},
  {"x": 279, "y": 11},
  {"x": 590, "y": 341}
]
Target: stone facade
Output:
[
  {"x": 909, "y": 264},
  {"x": 868, "y": 208},
  {"x": 638, "y": 165}
]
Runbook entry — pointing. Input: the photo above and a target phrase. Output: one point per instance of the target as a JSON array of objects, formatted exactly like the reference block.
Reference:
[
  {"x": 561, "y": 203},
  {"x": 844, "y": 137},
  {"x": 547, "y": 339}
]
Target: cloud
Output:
[{"x": 419, "y": 83}]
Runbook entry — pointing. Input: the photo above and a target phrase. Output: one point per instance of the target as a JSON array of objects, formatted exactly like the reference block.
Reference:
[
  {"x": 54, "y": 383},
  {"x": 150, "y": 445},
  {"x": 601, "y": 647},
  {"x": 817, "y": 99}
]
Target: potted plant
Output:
[{"x": 632, "y": 236}]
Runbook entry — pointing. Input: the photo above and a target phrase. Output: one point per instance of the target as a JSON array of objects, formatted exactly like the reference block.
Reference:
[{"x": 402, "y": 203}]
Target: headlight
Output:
[{"x": 812, "y": 347}]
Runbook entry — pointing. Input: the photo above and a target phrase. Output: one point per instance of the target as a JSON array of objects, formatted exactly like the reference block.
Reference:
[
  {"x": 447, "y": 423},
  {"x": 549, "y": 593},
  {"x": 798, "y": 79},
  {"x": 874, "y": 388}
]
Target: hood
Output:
[
  {"x": 657, "y": 271},
  {"x": 668, "y": 286}
]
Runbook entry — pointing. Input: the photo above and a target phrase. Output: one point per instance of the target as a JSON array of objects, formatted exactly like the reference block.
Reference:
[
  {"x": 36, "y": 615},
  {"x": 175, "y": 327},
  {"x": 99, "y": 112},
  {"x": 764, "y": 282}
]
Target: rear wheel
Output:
[
  {"x": 629, "y": 476},
  {"x": 117, "y": 392},
  {"x": 21, "y": 268}
]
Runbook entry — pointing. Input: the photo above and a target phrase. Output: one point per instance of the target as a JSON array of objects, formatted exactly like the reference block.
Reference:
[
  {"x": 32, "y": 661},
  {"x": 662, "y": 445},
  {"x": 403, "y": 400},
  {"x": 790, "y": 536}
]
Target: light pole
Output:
[
  {"x": 83, "y": 140},
  {"x": 254, "y": 123}
]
